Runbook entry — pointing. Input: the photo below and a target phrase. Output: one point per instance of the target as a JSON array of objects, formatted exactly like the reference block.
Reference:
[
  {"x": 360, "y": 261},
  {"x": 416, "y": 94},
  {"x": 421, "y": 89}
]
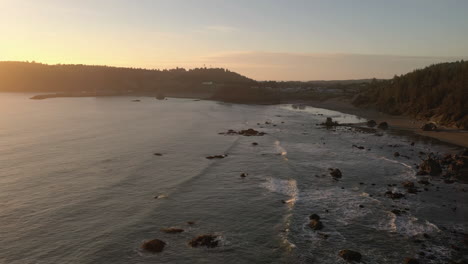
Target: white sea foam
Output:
[{"x": 407, "y": 225}]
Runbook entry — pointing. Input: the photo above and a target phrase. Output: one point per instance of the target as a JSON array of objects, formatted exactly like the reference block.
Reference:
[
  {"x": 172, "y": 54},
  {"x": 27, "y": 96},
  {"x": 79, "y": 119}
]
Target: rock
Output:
[
  {"x": 424, "y": 181},
  {"x": 410, "y": 188},
  {"x": 335, "y": 173},
  {"x": 190, "y": 223},
  {"x": 254, "y": 143},
  {"x": 136, "y": 100},
  {"x": 411, "y": 261},
  {"x": 243, "y": 175},
  {"x": 397, "y": 212},
  {"x": 217, "y": 157},
  {"x": 358, "y": 147},
  {"x": 315, "y": 224},
  {"x": 246, "y": 132},
  {"x": 383, "y": 125},
  {"x": 408, "y": 184},
  {"x": 430, "y": 166},
  {"x": 172, "y": 230},
  {"x": 371, "y": 123},
  {"x": 154, "y": 245},
  {"x": 396, "y": 154},
  {"x": 158, "y": 154},
  {"x": 394, "y": 195},
  {"x": 329, "y": 122},
  {"x": 209, "y": 241},
  {"x": 314, "y": 217},
  {"x": 350, "y": 255},
  {"x": 429, "y": 127},
  {"x": 251, "y": 132}
]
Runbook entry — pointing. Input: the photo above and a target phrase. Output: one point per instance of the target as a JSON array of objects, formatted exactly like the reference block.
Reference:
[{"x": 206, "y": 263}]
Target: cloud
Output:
[{"x": 316, "y": 66}]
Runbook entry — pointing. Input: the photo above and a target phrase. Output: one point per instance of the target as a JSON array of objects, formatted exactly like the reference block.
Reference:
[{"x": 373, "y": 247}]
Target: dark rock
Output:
[
  {"x": 172, "y": 230},
  {"x": 394, "y": 195},
  {"x": 408, "y": 184},
  {"x": 335, "y": 173},
  {"x": 397, "y": 212},
  {"x": 329, "y": 122},
  {"x": 371, "y": 123},
  {"x": 154, "y": 245},
  {"x": 243, "y": 175},
  {"x": 358, "y": 147},
  {"x": 424, "y": 181},
  {"x": 315, "y": 224},
  {"x": 350, "y": 255},
  {"x": 429, "y": 127},
  {"x": 254, "y": 143},
  {"x": 314, "y": 217},
  {"x": 217, "y": 157},
  {"x": 209, "y": 241},
  {"x": 383, "y": 125},
  {"x": 430, "y": 166},
  {"x": 411, "y": 261},
  {"x": 190, "y": 223},
  {"x": 396, "y": 154},
  {"x": 246, "y": 132},
  {"x": 158, "y": 154}
]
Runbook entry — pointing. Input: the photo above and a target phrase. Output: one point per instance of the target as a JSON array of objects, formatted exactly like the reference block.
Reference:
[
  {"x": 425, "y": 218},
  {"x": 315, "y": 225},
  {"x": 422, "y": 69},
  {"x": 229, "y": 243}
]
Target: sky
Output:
[{"x": 262, "y": 39}]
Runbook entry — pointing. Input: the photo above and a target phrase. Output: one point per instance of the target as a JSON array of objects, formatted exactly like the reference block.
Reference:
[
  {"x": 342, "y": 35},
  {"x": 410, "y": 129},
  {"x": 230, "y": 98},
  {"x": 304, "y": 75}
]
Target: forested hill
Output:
[
  {"x": 438, "y": 93},
  {"x": 37, "y": 77}
]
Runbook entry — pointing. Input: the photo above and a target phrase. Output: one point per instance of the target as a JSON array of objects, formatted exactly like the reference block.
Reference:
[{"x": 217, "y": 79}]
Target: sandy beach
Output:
[{"x": 445, "y": 134}]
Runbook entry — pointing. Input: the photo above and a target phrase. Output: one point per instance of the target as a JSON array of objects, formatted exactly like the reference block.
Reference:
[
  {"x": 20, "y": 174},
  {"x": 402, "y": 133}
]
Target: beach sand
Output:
[{"x": 449, "y": 135}]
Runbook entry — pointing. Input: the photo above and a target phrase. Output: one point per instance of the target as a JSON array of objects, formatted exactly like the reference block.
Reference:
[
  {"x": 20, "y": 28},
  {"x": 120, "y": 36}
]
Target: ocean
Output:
[{"x": 80, "y": 183}]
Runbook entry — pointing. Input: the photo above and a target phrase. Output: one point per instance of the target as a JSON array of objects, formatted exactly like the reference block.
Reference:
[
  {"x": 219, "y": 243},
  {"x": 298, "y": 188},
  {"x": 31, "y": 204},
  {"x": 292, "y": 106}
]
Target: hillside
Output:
[
  {"x": 37, "y": 77},
  {"x": 438, "y": 93}
]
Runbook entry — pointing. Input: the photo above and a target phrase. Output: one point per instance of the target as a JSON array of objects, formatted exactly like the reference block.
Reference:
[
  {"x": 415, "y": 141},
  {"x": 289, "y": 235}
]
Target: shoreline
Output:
[
  {"x": 446, "y": 134},
  {"x": 449, "y": 135}
]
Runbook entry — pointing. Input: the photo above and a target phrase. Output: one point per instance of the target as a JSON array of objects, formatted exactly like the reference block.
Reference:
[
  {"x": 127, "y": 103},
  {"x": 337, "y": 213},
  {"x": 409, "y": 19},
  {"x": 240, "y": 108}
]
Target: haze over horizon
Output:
[{"x": 264, "y": 40}]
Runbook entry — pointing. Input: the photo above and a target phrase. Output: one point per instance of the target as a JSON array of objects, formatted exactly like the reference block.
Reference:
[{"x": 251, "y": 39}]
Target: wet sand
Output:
[{"x": 449, "y": 135}]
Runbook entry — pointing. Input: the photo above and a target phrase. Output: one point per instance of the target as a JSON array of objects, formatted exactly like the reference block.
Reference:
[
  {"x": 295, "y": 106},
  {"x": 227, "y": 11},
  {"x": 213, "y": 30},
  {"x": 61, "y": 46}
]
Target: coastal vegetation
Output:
[{"x": 438, "y": 93}]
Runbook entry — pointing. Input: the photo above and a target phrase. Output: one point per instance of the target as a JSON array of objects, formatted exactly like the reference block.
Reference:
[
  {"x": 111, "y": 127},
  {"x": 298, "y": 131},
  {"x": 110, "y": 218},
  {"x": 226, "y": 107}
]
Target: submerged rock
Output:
[
  {"x": 315, "y": 224},
  {"x": 350, "y": 255},
  {"x": 243, "y": 175},
  {"x": 335, "y": 173},
  {"x": 172, "y": 230},
  {"x": 209, "y": 241},
  {"x": 154, "y": 245}
]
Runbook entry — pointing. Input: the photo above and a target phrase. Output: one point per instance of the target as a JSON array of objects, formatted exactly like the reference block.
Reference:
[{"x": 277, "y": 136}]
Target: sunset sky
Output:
[{"x": 262, "y": 39}]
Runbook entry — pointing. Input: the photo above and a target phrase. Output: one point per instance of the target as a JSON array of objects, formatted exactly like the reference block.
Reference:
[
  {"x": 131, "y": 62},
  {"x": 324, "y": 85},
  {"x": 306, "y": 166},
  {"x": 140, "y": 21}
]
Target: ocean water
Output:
[{"x": 78, "y": 181}]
